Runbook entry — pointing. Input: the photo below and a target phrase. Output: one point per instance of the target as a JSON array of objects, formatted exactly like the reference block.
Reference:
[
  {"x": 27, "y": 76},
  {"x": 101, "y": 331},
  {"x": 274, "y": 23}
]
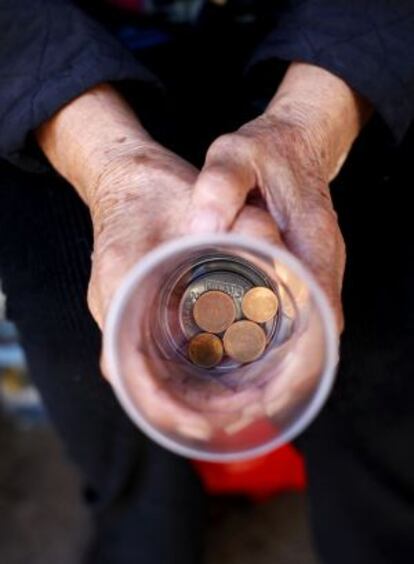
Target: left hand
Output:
[
  {"x": 277, "y": 159},
  {"x": 289, "y": 154}
]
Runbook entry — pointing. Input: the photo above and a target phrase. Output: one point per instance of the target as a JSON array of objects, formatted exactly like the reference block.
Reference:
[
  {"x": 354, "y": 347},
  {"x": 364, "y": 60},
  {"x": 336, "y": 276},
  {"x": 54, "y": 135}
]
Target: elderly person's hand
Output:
[
  {"x": 140, "y": 202},
  {"x": 290, "y": 154},
  {"x": 138, "y": 192},
  {"x": 139, "y": 195}
]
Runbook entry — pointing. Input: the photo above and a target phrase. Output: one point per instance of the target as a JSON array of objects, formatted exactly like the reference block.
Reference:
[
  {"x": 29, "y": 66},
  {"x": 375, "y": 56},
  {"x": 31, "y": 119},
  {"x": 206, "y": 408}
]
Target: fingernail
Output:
[{"x": 205, "y": 222}]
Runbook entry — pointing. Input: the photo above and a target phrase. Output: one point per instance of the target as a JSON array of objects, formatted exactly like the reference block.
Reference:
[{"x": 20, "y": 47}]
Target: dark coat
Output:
[{"x": 51, "y": 51}]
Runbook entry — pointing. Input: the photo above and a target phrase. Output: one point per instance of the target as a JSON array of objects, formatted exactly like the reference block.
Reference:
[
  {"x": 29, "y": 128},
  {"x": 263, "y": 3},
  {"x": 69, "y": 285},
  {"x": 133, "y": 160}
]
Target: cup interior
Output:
[{"x": 251, "y": 407}]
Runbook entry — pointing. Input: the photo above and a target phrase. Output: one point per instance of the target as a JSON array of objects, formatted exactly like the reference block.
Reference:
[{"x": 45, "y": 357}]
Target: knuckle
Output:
[
  {"x": 341, "y": 244},
  {"x": 93, "y": 302},
  {"x": 230, "y": 146},
  {"x": 221, "y": 146},
  {"x": 103, "y": 367},
  {"x": 91, "y": 295},
  {"x": 340, "y": 320}
]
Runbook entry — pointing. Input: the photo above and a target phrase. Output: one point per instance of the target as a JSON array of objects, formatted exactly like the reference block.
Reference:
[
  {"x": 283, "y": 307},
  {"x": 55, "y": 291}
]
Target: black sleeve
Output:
[
  {"x": 51, "y": 52},
  {"x": 367, "y": 43}
]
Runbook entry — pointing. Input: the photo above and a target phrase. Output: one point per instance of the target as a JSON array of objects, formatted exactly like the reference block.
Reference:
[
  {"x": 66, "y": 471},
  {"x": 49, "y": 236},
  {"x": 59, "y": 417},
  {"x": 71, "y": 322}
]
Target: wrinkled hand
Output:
[
  {"x": 276, "y": 158},
  {"x": 139, "y": 203},
  {"x": 139, "y": 194}
]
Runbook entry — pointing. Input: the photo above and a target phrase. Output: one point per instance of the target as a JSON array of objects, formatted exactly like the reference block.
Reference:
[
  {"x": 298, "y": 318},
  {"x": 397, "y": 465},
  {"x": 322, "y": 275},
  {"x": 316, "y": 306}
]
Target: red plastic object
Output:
[{"x": 260, "y": 478}]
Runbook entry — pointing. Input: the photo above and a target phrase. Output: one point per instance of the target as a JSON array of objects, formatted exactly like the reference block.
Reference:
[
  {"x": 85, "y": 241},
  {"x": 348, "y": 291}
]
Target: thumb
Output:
[
  {"x": 258, "y": 224},
  {"x": 219, "y": 194}
]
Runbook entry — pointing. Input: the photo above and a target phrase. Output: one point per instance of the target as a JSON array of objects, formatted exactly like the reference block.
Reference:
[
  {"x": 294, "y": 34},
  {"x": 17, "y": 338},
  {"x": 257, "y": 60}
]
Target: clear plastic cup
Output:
[{"x": 236, "y": 411}]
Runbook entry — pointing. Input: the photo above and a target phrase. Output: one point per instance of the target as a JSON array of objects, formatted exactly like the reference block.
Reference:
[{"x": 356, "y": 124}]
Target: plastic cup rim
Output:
[{"x": 188, "y": 242}]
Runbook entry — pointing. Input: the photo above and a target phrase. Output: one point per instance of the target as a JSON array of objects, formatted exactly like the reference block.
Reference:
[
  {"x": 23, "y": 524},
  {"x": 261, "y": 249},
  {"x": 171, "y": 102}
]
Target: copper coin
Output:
[
  {"x": 260, "y": 304},
  {"x": 206, "y": 350},
  {"x": 244, "y": 341},
  {"x": 214, "y": 311}
]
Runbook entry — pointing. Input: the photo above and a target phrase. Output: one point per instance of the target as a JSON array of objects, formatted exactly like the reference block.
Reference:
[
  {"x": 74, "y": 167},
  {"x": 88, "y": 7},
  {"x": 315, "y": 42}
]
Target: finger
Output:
[
  {"x": 314, "y": 237},
  {"x": 258, "y": 224},
  {"x": 110, "y": 263},
  {"x": 160, "y": 406},
  {"x": 220, "y": 191},
  {"x": 152, "y": 398},
  {"x": 300, "y": 374},
  {"x": 94, "y": 306},
  {"x": 103, "y": 365}
]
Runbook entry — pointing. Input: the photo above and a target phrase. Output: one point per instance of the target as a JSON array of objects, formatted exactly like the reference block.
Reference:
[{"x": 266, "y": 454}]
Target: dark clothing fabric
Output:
[
  {"x": 359, "y": 454},
  {"x": 370, "y": 45},
  {"x": 148, "y": 503},
  {"x": 51, "y": 51}
]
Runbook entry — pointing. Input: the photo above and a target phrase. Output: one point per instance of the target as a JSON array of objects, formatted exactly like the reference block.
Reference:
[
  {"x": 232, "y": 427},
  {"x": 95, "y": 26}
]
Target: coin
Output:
[
  {"x": 214, "y": 311},
  {"x": 244, "y": 341},
  {"x": 231, "y": 283},
  {"x": 260, "y": 304},
  {"x": 206, "y": 350}
]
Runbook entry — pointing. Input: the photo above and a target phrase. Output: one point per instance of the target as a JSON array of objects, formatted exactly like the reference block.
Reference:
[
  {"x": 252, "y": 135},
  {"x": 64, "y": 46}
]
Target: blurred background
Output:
[{"x": 43, "y": 520}]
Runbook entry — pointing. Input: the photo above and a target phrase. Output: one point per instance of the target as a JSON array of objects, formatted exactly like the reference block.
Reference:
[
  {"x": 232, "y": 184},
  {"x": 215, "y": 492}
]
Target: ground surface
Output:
[{"x": 43, "y": 521}]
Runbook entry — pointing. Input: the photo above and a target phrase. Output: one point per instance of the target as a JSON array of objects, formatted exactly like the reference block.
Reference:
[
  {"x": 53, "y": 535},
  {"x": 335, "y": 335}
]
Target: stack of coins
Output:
[{"x": 242, "y": 340}]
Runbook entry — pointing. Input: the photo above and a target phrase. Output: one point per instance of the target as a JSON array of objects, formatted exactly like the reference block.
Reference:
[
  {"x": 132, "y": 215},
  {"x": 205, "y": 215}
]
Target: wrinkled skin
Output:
[
  {"x": 142, "y": 202},
  {"x": 277, "y": 159},
  {"x": 269, "y": 179},
  {"x": 148, "y": 199}
]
